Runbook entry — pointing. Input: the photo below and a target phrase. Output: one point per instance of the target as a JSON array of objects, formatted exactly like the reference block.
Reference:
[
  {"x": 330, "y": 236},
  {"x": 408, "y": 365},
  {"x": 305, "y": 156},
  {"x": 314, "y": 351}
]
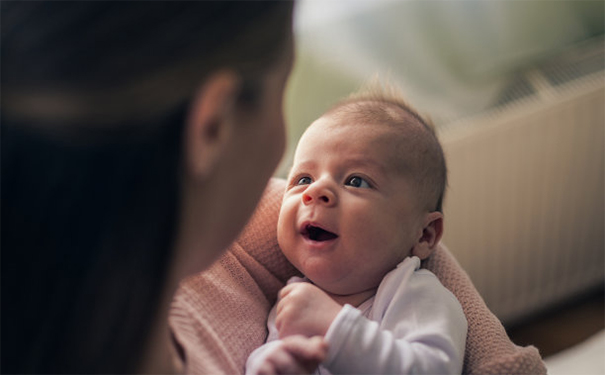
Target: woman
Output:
[{"x": 137, "y": 138}]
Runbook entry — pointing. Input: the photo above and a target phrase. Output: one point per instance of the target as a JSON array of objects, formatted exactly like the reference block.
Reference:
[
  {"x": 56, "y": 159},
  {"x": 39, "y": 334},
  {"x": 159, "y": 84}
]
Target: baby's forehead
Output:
[
  {"x": 355, "y": 140},
  {"x": 375, "y": 123},
  {"x": 355, "y": 132},
  {"x": 399, "y": 134}
]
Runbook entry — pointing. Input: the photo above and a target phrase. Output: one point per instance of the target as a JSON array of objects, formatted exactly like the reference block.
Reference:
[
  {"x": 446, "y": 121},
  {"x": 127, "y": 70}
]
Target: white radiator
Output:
[{"x": 525, "y": 203}]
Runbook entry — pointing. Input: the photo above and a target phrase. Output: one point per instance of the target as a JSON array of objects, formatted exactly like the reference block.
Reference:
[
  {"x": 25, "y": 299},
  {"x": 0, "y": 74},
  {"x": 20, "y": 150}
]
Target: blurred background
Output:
[{"x": 517, "y": 92}]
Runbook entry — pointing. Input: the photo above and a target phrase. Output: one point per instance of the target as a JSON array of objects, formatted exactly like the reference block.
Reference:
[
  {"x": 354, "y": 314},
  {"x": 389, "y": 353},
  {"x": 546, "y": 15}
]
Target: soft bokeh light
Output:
[{"x": 517, "y": 91}]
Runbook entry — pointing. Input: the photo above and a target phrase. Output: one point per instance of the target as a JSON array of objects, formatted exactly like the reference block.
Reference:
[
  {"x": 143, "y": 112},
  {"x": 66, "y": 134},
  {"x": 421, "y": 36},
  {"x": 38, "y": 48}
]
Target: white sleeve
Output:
[{"x": 423, "y": 330}]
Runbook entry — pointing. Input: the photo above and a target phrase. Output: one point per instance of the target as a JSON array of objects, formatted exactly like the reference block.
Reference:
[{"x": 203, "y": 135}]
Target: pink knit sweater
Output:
[{"x": 219, "y": 316}]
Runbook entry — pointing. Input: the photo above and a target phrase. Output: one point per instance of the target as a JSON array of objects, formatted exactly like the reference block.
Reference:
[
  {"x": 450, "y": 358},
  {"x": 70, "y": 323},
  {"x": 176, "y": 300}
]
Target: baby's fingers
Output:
[
  {"x": 280, "y": 363},
  {"x": 286, "y": 290},
  {"x": 309, "y": 352}
]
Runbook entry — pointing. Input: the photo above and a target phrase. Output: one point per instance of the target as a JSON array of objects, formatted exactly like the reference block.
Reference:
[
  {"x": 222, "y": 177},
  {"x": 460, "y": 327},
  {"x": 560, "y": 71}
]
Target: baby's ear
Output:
[{"x": 431, "y": 235}]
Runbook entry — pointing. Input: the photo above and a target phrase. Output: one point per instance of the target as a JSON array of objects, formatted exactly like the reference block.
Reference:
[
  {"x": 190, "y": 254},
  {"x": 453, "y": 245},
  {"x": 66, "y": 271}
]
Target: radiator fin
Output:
[{"x": 525, "y": 205}]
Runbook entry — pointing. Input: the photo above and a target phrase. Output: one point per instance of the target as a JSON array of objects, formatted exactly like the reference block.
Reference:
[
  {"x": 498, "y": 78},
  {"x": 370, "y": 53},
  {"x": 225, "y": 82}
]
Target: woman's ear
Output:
[
  {"x": 210, "y": 122},
  {"x": 431, "y": 235}
]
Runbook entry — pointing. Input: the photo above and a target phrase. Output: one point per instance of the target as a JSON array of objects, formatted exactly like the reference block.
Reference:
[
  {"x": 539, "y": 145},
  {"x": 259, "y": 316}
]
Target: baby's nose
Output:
[
  {"x": 308, "y": 198},
  {"x": 319, "y": 195}
]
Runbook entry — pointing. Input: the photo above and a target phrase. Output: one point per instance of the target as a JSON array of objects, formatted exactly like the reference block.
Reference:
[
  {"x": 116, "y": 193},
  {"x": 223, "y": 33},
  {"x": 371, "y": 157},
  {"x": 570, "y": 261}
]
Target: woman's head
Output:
[
  {"x": 119, "y": 120},
  {"x": 109, "y": 62}
]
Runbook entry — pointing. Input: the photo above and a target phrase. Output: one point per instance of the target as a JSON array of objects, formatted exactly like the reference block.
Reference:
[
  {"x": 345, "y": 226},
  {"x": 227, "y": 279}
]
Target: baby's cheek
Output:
[
  {"x": 285, "y": 223},
  {"x": 367, "y": 231}
]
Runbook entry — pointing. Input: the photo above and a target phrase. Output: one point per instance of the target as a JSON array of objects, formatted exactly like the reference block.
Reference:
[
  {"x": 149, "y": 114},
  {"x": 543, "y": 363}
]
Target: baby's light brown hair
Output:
[{"x": 424, "y": 161}]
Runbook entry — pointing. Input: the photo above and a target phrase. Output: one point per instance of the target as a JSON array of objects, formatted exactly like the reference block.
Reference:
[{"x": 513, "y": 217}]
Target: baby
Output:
[{"x": 362, "y": 208}]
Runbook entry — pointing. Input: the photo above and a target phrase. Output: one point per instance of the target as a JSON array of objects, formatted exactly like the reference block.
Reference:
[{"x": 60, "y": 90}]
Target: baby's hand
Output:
[
  {"x": 304, "y": 309},
  {"x": 294, "y": 355}
]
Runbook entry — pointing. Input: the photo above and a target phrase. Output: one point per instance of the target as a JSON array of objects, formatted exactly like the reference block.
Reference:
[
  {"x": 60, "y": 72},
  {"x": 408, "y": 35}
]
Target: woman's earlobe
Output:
[{"x": 210, "y": 122}]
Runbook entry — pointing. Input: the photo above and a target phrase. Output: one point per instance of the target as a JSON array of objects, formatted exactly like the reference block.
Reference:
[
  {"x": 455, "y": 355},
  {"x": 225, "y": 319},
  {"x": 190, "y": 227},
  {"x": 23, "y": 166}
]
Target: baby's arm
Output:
[
  {"x": 423, "y": 330},
  {"x": 291, "y": 355},
  {"x": 366, "y": 348}
]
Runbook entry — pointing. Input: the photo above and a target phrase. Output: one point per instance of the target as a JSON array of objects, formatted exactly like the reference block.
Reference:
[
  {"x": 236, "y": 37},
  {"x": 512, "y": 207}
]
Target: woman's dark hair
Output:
[{"x": 94, "y": 100}]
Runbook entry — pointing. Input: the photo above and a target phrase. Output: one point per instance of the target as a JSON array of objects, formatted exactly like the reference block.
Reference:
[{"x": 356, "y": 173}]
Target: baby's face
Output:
[{"x": 349, "y": 215}]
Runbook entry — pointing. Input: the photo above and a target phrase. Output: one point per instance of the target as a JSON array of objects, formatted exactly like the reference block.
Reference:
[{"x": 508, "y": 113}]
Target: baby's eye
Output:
[
  {"x": 304, "y": 181},
  {"x": 358, "y": 182}
]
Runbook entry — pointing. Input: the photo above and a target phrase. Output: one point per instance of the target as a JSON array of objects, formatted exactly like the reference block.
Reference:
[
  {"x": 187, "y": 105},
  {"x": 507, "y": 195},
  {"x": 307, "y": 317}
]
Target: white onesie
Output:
[{"x": 413, "y": 325}]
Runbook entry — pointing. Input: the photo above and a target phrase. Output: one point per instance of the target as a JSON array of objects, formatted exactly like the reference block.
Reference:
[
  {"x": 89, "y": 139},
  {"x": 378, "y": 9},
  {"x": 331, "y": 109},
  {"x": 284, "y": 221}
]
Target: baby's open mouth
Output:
[{"x": 318, "y": 234}]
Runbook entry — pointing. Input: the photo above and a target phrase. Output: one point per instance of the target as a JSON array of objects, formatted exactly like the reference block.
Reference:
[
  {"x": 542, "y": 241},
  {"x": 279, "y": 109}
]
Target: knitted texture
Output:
[
  {"x": 219, "y": 316},
  {"x": 488, "y": 348}
]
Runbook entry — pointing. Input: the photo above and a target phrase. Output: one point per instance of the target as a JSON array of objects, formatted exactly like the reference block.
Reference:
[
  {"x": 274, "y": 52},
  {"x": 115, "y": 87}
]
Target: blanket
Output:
[{"x": 219, "y": 315}]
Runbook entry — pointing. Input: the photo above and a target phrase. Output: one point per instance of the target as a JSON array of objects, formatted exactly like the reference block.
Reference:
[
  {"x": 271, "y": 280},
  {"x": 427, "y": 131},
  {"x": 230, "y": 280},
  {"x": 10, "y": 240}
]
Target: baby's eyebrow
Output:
[
  {"x": 351, "y": 162},
  {"x": 364, "y": 162},
  {"x": 305, "y": 165}
]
